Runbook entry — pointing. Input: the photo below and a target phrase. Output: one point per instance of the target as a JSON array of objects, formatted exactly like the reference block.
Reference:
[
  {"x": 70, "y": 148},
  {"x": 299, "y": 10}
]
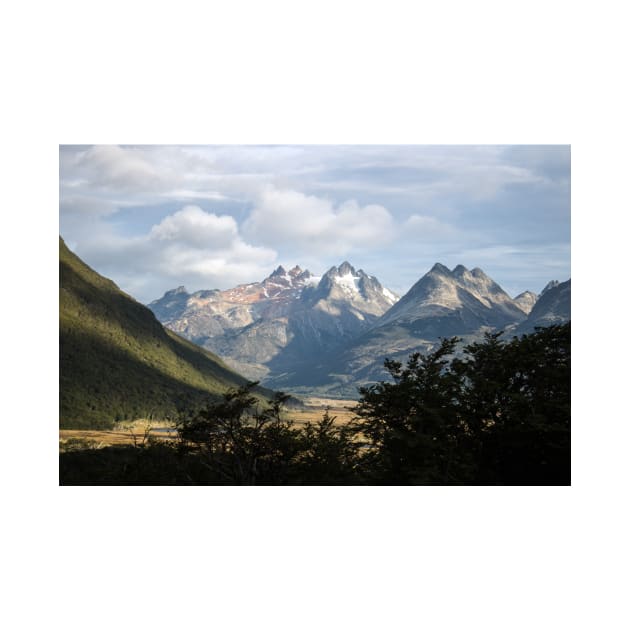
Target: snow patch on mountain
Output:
[
  {"x": 348, "y": 282},
  {"x": 392, "y": 297}
]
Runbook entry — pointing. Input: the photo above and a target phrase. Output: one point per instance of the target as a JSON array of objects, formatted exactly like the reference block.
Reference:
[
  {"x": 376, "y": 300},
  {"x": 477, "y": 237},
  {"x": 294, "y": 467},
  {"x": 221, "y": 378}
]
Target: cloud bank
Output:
[{"x": 313, "y": 224}]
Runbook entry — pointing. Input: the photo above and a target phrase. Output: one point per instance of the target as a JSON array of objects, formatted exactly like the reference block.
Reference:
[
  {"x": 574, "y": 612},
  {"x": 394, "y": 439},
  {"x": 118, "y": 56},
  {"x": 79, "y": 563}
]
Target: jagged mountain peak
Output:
[
  {"x": 290, "y": 277},
  {"x": 352, "y": 287},
  {"x": 279, "y": 271},
  {"x": 550, "y": 285},
  {"x": 179, "y": 290},
  {"x": 460, "y": 271},
  {"x": 346, "y": 268},
  {"x": 441, "y": 269}
]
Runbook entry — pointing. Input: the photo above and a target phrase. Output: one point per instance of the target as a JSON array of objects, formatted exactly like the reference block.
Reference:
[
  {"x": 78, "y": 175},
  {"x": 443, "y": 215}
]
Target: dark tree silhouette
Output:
[
  {"x": 241, "y": 442},
  {"x": 498, "y": 414}
]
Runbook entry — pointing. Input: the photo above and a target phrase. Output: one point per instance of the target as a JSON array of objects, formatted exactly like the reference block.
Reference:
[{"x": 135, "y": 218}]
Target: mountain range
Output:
[{"x": 328, "y": 334}]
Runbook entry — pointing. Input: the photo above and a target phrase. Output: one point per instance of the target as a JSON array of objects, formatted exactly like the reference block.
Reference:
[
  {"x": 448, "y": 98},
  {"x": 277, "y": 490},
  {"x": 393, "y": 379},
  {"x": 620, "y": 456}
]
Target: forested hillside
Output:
[{"x": 117, "y": 361}]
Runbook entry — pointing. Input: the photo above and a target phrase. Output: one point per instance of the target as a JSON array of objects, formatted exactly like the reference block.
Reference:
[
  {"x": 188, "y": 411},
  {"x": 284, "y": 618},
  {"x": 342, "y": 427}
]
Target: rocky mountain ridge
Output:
[{"x": 279, "y": 322}]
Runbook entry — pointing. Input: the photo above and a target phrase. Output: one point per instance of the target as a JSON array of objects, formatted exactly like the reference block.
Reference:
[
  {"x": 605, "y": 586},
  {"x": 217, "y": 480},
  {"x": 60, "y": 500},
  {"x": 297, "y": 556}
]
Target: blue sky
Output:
[{"x": 155, "y": 217}]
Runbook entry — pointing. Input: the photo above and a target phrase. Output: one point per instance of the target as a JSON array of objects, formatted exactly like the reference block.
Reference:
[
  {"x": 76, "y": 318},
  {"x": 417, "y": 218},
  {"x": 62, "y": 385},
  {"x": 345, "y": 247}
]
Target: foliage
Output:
[
  {"x": 412, "y": 424},
  {"x": 244, "y": 443},
  {"x": 517, "y": 404},
  {"x": 329, "y": 452},
  {"x": 501, "y": 414}
]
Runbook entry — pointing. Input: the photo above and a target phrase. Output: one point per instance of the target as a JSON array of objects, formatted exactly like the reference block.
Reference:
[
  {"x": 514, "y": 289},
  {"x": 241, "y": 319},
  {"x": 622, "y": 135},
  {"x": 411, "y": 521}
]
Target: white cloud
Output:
[
  {"x": 209, "y": 195},
  {"x": 310, "y": 223},
  {"x": 199, "y": 244},
  {"x": 196, "y": 228}
]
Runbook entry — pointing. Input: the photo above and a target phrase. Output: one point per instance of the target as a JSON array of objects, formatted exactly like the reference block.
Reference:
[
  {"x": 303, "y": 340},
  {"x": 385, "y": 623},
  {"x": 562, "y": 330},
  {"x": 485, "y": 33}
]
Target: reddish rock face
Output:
[{"x": 281, "y": 285}]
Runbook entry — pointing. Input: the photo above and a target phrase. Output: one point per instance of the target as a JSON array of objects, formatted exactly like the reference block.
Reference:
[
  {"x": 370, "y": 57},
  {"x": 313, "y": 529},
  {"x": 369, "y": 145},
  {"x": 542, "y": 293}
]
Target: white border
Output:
[{"x": 342, "y": 72}]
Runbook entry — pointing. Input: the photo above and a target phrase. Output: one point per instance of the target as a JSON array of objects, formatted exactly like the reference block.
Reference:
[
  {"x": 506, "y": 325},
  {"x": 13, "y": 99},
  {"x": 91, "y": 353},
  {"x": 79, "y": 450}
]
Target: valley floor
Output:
[
  {"x": 314, "y": 409},
  {"x": 74, "y": 439},
  {"x": 140, "y": 430}
]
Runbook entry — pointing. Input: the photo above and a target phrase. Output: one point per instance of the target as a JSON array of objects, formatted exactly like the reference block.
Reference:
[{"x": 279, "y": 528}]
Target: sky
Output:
[{"x": 153, "y": 217}]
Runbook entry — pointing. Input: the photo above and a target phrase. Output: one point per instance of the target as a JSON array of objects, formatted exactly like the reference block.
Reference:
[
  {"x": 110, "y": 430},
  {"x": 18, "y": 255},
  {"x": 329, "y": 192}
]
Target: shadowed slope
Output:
[{"x": 117, "y": 361}]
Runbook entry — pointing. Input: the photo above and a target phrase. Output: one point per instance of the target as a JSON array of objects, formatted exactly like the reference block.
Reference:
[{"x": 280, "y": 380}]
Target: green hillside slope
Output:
[{"x": 117, "y": 361}]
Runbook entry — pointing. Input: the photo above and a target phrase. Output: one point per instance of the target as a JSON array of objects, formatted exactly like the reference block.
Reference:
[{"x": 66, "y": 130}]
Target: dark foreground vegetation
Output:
[{"x": 497, "y": 414}]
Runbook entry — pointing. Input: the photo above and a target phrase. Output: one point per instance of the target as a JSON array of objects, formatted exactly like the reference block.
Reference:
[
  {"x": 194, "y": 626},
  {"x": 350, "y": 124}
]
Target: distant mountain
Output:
[
  {"x": 117, "y": 361},
  {"x": 443, "y": 303},
  {"x": 266, "y": 328},
  {"x": 526, "y": 300},
  {"x": 552, "y": 307},
  {"x": 352, "y": 290}
]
